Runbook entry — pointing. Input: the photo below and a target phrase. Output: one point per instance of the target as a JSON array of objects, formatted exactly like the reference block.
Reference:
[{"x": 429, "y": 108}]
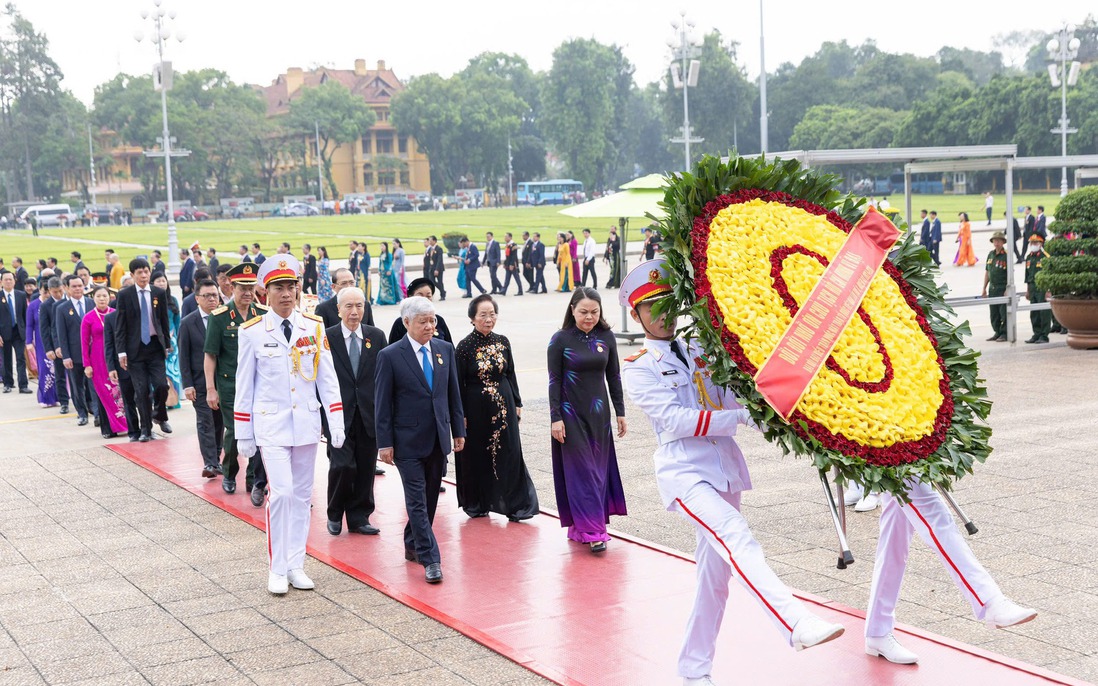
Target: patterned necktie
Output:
[
  {"x": 355, "y": 352},
  {"x": 287, "y": 329},
  {"x": 146, "y": 335},
  {"x": 428, "y": 371}
]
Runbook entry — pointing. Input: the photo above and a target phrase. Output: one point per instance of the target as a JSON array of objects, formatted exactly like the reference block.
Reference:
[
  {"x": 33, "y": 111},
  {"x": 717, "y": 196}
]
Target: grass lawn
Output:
[
  {"x": 410, "y": 227},
  {"x": 332, "y": 232}
]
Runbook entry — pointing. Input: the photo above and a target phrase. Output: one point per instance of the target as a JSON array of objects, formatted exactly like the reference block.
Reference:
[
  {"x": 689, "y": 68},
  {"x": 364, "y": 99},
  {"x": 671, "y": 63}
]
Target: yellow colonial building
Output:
[
  {"x": 382, "y": 161},
  {"x": 117, "y": 175}
]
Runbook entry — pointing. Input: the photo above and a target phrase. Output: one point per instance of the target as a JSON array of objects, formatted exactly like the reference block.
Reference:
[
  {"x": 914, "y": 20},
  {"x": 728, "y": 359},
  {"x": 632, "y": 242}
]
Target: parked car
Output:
[
  {"x": 49, "y": 215},
  {"x": 299, "y": 209},
  {"x": 398, "y": 205}
]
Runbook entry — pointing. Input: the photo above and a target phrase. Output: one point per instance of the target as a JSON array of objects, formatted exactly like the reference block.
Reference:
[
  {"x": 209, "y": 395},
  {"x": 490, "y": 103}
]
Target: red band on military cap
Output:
[
  {"x": 280, "y": 275},
  {"x": 646, "y": 291}
]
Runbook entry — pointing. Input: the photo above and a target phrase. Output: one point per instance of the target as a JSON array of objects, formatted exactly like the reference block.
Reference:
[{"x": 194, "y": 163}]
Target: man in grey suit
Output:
[
  {"x": 192, "y": 361},
  {"x": 417, "y": 408},
  {"x": 492, "y": 259}
]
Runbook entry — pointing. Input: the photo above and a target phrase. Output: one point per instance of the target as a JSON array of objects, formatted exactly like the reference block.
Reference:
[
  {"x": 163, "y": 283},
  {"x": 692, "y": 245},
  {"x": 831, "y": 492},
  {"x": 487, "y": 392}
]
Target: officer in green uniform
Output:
[
  {"x": 220, "y": 348},
  {"x": 995, "y": 276},
  {"x": 1041, "y": 320}
]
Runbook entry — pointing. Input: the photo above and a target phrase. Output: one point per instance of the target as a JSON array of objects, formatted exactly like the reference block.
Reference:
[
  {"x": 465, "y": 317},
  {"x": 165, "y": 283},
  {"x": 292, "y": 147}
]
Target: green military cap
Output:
[{"x": 245, "y": 274}]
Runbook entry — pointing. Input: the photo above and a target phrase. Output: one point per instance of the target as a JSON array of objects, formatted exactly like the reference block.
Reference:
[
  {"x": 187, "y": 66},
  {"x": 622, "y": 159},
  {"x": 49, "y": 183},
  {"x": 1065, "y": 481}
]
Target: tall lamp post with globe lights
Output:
[
  {"x": 162, "y": 81},
  {"x": 1063, "y": 49}
]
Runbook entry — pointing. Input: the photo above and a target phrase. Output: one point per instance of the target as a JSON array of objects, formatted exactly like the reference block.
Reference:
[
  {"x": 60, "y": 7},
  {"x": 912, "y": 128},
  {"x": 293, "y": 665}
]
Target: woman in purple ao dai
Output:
[{"x": 583, "y": 364}]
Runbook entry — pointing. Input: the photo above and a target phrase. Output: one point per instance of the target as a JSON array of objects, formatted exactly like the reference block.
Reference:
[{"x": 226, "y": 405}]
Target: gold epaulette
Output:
[
  {"x": 223, "y": 308},
  {"x": 251, "y": 322},
  {"x": 260, "y": 306},
  {"x": 310, "y": 315},
  {"x": 636, "y": 355}
]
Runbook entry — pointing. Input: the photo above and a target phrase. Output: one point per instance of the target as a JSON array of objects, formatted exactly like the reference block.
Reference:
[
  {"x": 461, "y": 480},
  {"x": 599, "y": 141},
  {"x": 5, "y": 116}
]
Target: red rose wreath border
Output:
[
  {"x": 691, "y": 200},
  {"x": 895, "y": 454}
]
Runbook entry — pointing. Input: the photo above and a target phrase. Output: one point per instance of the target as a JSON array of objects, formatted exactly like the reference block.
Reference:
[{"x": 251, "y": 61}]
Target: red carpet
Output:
[{"x": 524, "y": 591}]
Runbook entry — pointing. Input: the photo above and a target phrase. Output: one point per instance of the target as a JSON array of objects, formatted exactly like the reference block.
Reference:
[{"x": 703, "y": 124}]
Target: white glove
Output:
[
  {"x": 744, "y": 417},
  {"x": 338, "y": 437},
  {"x": 246, "y": 446}
]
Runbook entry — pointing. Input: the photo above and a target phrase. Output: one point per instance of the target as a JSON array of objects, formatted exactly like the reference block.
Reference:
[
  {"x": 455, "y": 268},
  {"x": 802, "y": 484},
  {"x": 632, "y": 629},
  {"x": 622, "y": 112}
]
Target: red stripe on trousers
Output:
[
  {"x": 736, "y": 566},
  {"x": 944, "y": 554},
  {"x": 270, "y": 555}
]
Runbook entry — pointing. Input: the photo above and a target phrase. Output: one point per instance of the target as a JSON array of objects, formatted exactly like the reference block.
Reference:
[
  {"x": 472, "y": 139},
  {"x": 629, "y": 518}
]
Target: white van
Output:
[{"x": 50, "y": 215}]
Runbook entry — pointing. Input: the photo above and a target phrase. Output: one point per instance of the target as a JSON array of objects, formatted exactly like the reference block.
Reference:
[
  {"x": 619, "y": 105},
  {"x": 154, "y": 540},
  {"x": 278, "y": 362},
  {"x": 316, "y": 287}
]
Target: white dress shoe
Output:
[
  {"x": 276, "y": 584},
  {"x": 812, "y": 631},
  {"x": 867, "y": 504},
  {"x": 890, "y": 649},
  {"x": 299, "y": 580},
  {"x": 700, "y": 681},
  {"x": 1002, "y": 612},
  {"x": 852, "y": 493}
]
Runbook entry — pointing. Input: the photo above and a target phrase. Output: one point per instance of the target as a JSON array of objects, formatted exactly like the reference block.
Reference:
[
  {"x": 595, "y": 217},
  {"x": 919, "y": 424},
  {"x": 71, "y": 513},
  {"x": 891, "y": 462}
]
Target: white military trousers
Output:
[
  {"x": 726, "y": 546},
  {"x": 928, "y": 515},
  {"x": 290, "y": 489}
]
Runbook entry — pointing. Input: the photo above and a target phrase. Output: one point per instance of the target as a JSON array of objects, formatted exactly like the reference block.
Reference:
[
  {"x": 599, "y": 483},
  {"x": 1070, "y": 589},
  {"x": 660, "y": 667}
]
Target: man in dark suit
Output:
[
  {"x": 141, "y": 339},
  {"x": 49, "y": 339},
  {"x": 492, "y": 259},
  {"x": 20, "y": 272},
  {"x": 351, "y": 471},
  {"x": 329, "y": 309},
  {"x": 192, "y": 361},
  {"x": 438, "y": 267},
  {"x": 537, "y": 263},
  {"x": 924, "y": 231},
  {"x": 158, "y": 265},
  {"x": 212, "y": 263},
  {"x": 308, "y": 264},
  {"x": 935, "y": 237},
  {"x": 67, "y": 316},
  {"x": 121, "y": 377},
  {"x": 1040, "y": 228},
  {"x": 1029, "y": 227},
  {"x": 472, "y": 264},
  {"x": 418, "y": 408},
  {"x": 243, "y": 252},
  {"x": 13, "y": 333},
  {"x": 428, "y": 258},
  {"x": 527, "y": 254},
  {"x": 190, "y": 303},
  {"x": 186, "y": 276},
  {"x": 77, "y": 261},
  {"x": 257, "y": 255}
]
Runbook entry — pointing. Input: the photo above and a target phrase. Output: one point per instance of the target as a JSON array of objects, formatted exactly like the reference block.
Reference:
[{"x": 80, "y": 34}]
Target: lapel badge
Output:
[
  {"x": 156, "y": 302},
  {"x": 368, "y": 343},
  {"x": 438, "y": 357},
  {"x": 71, "y": 311},
  {"x": 599, "y": 348}
]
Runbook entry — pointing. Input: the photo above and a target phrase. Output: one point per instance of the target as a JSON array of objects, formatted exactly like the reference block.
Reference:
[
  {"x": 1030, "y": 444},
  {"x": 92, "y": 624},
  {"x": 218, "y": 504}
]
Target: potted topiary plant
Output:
[
  {"x": 451, "y": 240},
  {"x": 1070, "y": 273}
]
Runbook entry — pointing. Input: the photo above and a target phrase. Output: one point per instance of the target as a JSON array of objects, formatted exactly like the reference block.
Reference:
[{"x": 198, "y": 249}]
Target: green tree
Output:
[
  {"x": 585, "y": 99},
  {"x": 62, "y": 144},
  {"x": 342, "y": 117},
  {"x": 29, "y": 91},
  {"x": 429, "y": 110},
  {"x": 833, "y": 127}
]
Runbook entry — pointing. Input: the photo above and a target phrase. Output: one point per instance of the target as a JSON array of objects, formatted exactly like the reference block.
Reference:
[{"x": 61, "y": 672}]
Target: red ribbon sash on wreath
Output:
[{"x": 820, "y": 322}]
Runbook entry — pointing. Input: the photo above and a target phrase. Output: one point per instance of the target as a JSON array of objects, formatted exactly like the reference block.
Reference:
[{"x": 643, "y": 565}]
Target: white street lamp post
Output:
[
  {"x": 319, "y": 175},
  {"x": 162, "y": 81},
  {"x": 684, "y": 75},
  {"x": 763, "y": 124},
  {"x": 1061, "y": 50}
]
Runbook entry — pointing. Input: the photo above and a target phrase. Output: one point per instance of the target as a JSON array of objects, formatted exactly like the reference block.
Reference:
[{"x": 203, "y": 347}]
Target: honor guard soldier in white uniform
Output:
[
  {"x": 701, "y": 472},
  {"x": 283, "y": 364}
]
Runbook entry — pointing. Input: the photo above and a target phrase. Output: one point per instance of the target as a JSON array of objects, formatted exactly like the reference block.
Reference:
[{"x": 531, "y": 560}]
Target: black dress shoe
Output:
[
  {"x": 208, "y": 472},
  {"x": 25, "y": 391},
  {"x": 410, "y": 555},
  {"x": 1001, "y": 339},
  {"x": 334, "y": 528},
  {"x": 433, "y": 573},
  {"x": 257, "y": 495},
  {"x": 378, "y": 471},
  {"x": 7, "y": 389},
  {"x": 83, "y": 421},
  {"x": 135, "y": 439},
  {"x": 166, "y": 427},
  {"x": 64, "y": 409},
  {"x": 1032, "y": 340},
  {"x": 441, "y": 489},
  {"x": 96, "y": 422},
  {"x": 473, "y": 514},
  {"x": 366, "y": 529},
  {"x": 228, "y": 485},
  {"x": 144, "y": 438}
]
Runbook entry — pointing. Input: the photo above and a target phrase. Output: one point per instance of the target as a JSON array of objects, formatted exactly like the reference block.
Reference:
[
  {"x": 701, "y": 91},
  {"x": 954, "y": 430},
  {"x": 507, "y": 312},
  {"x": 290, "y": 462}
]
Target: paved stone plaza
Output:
[{"x": 109, "y": 574}]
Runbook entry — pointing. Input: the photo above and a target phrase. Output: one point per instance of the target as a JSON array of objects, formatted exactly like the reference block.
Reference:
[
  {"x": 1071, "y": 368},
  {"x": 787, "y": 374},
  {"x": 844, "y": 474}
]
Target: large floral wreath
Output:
[{"x": 898, "y": 398}]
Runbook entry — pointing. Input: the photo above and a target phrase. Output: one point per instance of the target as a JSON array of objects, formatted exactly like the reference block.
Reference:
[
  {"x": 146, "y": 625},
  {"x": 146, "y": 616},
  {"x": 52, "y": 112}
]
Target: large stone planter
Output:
[{"x": 1080, "y": 318}]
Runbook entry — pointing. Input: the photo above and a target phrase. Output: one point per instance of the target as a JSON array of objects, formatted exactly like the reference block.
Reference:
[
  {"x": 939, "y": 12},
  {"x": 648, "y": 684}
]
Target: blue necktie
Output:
[
  {"x": 11, "y": 306},
  {"x": 428, "y": 371},
  {"x": 145, "y": 336}
]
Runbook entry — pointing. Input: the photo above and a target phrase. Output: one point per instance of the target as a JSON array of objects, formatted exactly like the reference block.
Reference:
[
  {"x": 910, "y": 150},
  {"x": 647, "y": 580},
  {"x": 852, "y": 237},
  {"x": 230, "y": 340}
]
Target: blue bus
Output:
[{"x": 552, "y": 192}]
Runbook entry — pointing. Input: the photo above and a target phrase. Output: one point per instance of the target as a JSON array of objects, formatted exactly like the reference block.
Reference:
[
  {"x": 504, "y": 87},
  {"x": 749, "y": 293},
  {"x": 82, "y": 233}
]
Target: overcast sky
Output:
[{"x": 255, "y": 41}]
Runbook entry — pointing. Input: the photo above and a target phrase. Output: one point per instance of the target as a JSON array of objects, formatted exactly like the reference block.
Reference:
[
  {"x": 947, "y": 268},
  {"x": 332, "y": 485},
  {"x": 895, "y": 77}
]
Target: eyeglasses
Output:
[{"x": 207, "y": 295}]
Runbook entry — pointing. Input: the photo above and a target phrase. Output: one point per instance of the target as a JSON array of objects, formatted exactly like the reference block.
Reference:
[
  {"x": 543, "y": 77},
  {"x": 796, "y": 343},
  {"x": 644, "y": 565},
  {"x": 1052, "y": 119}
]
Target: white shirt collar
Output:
[
  {"x": 347, "y": 332},
  {"x": 416, "y": 346}
]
